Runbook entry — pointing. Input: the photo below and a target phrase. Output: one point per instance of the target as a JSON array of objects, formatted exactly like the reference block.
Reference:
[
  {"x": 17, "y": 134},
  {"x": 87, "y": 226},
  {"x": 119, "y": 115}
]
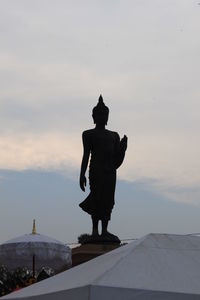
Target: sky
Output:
[{"x": 56, "y": 58}]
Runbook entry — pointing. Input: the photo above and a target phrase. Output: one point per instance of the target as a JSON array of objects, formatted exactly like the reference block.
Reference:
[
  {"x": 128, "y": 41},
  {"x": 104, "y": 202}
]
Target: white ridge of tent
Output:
[
  {"x": 49, "y": 252},
  {"x": 155, "y": 267}
]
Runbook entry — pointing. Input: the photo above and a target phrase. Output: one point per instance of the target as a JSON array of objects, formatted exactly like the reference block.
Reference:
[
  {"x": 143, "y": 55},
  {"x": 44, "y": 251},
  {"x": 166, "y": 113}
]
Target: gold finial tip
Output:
[{"x": 34, "y": 227}]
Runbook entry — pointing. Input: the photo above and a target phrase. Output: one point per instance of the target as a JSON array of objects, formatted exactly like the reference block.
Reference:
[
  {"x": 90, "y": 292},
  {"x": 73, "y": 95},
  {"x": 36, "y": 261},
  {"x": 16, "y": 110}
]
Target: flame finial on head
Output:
[{"x": 100, "y": 99}]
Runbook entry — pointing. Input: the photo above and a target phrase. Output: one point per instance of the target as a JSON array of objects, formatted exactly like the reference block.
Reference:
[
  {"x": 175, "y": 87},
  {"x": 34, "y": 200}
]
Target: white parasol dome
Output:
[{"x": 47, "y": 252}]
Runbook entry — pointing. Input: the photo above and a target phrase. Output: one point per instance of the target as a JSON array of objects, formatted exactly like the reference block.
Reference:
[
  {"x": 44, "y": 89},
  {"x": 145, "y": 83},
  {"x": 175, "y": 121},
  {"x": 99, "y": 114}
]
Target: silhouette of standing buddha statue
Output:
[{"x": 106, "y": 152}]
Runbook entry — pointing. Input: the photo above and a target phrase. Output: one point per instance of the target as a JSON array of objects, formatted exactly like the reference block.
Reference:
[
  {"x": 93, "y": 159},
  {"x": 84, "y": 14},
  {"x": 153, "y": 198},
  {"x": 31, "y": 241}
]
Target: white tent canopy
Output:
[
  {"x": 19, "y": 252},
  {"x": 156, "y": 267}
]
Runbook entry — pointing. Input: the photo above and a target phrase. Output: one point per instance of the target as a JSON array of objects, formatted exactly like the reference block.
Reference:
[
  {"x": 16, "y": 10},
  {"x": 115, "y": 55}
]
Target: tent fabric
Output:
[
  {"x": 108, "y": 293},
  {"x": 157, "y": 266},
  {"x": 47, "y": 251}
]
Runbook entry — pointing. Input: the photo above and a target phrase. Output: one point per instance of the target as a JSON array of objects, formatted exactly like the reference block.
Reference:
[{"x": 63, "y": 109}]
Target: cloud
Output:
[
  {"x": 173, "y": 172},
  {"x": 39, "y": 151},
  {"x": 143, "y": 56},
  {"x": 52, "y": 197}
]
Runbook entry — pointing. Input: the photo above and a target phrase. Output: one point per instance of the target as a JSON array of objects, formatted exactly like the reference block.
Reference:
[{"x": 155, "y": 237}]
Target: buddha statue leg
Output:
[
  {"x": 95, "y": 223},
  {"x": 105, "y": 233},
  {"x": 104, "y": 227}
]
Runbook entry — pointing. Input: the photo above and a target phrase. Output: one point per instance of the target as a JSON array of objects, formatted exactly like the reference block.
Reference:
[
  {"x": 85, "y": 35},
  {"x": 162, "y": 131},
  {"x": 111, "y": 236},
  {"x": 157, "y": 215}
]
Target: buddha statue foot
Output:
[{"x": 109, "y": 237}]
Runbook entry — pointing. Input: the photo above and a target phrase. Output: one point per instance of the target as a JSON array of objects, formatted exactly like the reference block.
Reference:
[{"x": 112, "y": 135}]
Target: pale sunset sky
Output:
[{"x": 56, "y": 58}]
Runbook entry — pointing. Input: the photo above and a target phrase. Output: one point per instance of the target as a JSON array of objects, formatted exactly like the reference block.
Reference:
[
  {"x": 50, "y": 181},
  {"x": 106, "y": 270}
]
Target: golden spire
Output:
[{"x": 34, "y": 228}]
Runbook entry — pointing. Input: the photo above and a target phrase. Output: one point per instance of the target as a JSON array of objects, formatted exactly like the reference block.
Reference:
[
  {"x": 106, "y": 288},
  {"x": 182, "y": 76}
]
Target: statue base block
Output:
[{"x": 89, "y": 251}]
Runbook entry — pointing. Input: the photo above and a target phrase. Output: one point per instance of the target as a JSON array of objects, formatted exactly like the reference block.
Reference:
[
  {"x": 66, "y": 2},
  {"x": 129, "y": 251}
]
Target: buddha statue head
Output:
[{"x": 100, "y": 112}]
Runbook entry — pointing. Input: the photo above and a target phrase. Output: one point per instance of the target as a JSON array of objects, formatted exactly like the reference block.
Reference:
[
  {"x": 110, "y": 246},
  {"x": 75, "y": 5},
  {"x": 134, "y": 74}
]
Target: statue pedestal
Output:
[{"x": 89, "y": 251}]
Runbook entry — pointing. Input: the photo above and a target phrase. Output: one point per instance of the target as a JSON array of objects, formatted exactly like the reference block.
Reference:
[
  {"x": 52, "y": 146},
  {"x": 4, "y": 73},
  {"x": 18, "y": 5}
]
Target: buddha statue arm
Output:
[
  {"x": 122, "y": 146},
  {"x": 85, "y": 159}
]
